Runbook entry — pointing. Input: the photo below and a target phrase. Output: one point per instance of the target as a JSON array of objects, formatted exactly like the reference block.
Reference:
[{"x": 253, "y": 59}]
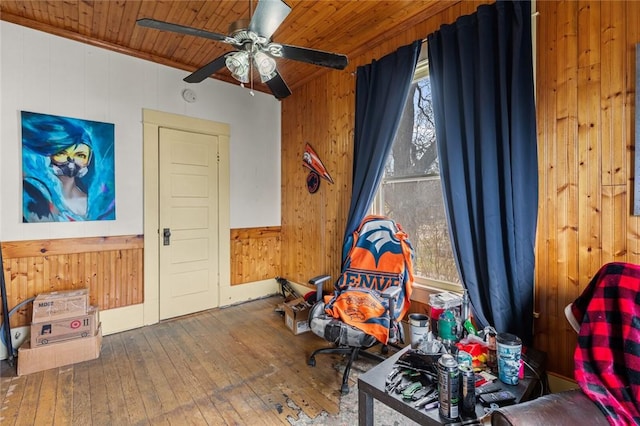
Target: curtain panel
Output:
[
  {"x": 482, "y": 85},
  {"x": 381, "y": 92}
]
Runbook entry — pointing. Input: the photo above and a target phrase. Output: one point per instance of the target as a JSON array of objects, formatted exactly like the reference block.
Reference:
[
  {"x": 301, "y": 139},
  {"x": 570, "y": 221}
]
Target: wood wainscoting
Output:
[
  {"x": 110, "y": 267},
  {"x": 255, "y": 254}
]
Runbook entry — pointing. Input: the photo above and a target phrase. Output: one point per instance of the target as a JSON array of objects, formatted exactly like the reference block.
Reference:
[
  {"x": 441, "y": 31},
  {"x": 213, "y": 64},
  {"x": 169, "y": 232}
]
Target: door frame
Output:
[{"x": 152, "y": 121}]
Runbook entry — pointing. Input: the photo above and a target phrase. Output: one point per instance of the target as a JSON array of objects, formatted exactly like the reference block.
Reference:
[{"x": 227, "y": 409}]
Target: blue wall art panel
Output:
[{"x": 67, "y": 169}]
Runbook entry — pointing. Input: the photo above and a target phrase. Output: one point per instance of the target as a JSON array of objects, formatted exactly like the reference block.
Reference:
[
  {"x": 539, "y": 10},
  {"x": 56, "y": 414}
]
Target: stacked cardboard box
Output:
[
  {"x": 61, "y": 329},
  {"x": 65, "y": 329}
]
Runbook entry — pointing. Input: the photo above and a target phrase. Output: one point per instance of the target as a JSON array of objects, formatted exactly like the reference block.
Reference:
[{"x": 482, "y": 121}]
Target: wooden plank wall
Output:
[
  {"x": 585, "y": 87},
  {"x": 585, "y": 90},
  {"x": 255, "y": 254},
  {"x": 110, "y": 267}
]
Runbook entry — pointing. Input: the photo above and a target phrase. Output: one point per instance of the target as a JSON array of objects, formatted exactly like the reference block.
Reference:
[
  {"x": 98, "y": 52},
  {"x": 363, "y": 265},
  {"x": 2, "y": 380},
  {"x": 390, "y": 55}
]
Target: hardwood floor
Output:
[{"x": 233, "y": 366}]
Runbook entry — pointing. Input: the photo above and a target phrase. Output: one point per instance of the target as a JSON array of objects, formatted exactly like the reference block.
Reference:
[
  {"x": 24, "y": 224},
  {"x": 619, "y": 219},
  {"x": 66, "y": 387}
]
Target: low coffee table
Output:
[{"x": 372, "y": 385}]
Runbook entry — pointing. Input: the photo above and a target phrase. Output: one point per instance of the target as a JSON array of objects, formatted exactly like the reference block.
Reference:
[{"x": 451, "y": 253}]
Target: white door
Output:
[{"x": 188, "y": 216}]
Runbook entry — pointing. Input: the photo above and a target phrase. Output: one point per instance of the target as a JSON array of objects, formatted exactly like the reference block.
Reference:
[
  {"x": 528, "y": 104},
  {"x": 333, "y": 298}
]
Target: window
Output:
[{"x": 410, "y": 191}]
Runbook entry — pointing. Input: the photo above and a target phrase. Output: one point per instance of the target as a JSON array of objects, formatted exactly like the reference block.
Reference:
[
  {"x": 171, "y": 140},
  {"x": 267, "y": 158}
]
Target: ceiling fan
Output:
[{"x": 255, "y": 49}]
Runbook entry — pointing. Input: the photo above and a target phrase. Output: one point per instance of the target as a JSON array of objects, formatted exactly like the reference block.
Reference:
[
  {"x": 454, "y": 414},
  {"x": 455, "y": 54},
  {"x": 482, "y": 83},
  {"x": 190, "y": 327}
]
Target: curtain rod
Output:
[{"x": 533, "y": 15}]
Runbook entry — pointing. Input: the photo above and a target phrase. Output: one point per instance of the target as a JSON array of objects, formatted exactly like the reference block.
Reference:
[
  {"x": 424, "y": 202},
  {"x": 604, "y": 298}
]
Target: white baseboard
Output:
[
  {"x": 130, "y": 317},
  {"x": 122, "y": 319},
  {"x": 233, "y": 294}
]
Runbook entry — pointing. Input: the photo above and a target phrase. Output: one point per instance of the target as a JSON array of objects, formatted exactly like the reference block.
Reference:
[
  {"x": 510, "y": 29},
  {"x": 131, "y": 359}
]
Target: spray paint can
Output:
[
  {"x": 448, "y": 386},
  {"x": 467, "y": 389}
]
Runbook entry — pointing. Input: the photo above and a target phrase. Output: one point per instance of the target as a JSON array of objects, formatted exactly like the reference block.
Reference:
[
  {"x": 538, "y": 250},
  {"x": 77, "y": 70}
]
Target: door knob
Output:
[{"x": 166, "y": 234}]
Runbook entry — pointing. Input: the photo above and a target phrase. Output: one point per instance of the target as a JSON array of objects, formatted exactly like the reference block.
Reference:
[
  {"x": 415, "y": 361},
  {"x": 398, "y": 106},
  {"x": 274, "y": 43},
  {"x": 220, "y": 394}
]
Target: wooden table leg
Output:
[{"x": 365, "y": 409}]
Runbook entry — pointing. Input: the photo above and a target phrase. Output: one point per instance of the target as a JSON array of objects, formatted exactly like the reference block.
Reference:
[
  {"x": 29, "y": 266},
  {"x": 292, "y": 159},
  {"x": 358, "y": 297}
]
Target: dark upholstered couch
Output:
[{"x": 563, "y": 408}]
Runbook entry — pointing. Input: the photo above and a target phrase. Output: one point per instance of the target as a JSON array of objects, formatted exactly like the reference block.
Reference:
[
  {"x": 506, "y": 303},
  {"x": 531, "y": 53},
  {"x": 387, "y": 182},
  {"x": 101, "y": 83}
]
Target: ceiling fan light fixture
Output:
[
  {"x": 265, "y": 65},
  {"x": 238, "y": 64},
  {"x": 266, "y": 77}
]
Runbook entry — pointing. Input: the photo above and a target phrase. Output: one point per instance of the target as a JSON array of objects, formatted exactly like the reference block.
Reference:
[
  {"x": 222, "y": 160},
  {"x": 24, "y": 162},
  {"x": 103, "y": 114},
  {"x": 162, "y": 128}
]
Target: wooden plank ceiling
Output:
[{"x": 341, "y": 26}]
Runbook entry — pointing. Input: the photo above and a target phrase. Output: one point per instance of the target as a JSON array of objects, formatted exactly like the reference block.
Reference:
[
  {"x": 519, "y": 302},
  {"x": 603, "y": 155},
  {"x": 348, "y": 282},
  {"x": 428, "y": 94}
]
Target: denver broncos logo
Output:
[{"x": 379, "y": 239}]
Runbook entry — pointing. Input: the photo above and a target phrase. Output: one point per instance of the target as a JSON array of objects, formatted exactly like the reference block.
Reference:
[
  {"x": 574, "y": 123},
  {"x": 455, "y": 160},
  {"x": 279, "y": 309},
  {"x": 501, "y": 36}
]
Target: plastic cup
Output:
[
  {"x": 508, "y": 352},
  {"x": 419, "y": 325}
]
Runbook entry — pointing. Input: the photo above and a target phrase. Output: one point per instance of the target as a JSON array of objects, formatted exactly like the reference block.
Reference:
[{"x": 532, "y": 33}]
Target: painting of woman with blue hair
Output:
[{"x": 67, "y": 169}]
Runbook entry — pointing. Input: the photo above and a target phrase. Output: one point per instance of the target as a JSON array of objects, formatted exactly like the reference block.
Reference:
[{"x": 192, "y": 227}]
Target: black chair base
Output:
[{"x": 353, "y": 353}]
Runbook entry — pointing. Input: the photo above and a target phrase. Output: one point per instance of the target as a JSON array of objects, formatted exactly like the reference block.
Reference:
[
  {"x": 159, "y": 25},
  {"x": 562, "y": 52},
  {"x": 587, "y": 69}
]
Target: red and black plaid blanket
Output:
[{"x": 607, "y": 357}]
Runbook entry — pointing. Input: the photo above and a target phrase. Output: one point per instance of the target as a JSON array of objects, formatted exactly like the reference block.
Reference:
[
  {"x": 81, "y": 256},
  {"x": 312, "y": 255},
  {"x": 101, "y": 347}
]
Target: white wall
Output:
[{"x": 48, "y": 74}]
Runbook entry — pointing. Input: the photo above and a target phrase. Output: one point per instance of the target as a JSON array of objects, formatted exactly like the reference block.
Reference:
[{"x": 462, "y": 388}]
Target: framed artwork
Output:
[{"x": 67, "y": 169}]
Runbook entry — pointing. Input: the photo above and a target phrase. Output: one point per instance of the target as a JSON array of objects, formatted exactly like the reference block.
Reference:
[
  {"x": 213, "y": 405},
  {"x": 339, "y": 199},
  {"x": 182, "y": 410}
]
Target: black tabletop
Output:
[{"x": 373, "y": 383}]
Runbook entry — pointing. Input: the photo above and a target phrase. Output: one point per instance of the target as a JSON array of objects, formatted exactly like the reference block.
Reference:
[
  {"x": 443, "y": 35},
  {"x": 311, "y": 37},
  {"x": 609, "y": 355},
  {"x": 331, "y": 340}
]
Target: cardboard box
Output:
[
  {"x": 32, "y": 360},
  {"x": 60, "y": 304},
  {"x": 296, "y": 315},
  {"x": 51, "y": 332}
]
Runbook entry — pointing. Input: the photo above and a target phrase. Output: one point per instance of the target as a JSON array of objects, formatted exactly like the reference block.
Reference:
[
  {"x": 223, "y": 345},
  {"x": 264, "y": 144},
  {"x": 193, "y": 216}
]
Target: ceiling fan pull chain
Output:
[{"x": 251, "y": 67}]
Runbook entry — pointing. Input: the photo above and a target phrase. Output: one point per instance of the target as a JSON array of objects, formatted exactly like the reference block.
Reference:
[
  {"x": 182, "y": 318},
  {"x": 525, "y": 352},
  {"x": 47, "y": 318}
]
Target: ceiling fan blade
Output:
[
  {"x": 278, "y": 86},
  {"x": 315, "y": 57},
  {"x": 268, "y": 16},
  {"x": 203, "y": 72},
  {"x": 181, "y": 29}
]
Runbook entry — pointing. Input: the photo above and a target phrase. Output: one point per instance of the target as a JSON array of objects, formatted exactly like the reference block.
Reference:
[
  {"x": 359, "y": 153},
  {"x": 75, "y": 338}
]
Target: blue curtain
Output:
[
  {"x": 381, "y": 92},
  {"x": 482, "y": 87}
]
